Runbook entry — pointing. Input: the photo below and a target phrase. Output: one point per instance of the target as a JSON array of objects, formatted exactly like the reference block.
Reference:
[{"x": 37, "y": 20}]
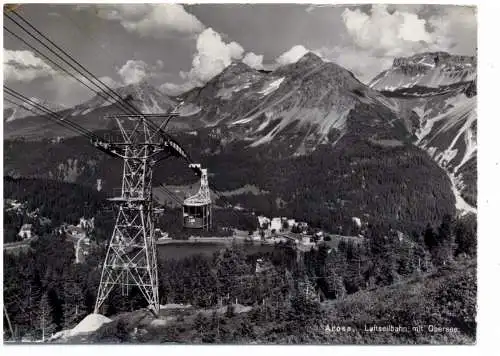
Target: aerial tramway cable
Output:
[
  {"x": 58, "y": 66},
  {"x": 123, "y": 104},
  {"x": 51, "y": 115},
  {"x": 102, "y": 86},
  {"x": 82, "y": 71}
]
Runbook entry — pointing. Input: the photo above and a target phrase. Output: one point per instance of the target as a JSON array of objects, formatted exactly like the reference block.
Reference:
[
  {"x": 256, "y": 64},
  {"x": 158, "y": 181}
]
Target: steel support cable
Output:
[
  {"x": 106, "y": 87},
  {"x": 103, "y": 87},
  {"x": 58, "y": 66},
  {"x": 22, "y": 105},
  {"x": 117, "y": 97},
  {"x": 171, "y": 194},
  {"x": 52, "y": 115}
]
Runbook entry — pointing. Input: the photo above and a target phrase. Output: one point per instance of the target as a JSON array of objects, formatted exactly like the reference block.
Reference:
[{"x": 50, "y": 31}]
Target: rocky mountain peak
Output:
[
  {"x": 310, "y": 58},
  {"x": 428, "y": 69}
]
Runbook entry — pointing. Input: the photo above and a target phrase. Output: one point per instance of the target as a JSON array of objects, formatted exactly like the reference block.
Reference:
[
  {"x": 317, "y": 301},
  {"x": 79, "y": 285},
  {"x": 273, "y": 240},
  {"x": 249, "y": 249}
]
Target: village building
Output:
[
  {"x": 26, "y": 231},
  {"x": 87, "y": 224},
  {"x": 319, "y": 236},
  {"x": 75, "y": 231},
  {"x": 262, "y": 265},
  {"x": 263, "y": 222},
  {"x": 276, "y": 224}
]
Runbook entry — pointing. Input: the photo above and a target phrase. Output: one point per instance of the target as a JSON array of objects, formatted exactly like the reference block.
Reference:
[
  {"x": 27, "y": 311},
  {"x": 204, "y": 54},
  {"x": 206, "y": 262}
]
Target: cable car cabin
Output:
[
  {"x": 197, "y": 210},
  {"x": 197, "y": 216}
]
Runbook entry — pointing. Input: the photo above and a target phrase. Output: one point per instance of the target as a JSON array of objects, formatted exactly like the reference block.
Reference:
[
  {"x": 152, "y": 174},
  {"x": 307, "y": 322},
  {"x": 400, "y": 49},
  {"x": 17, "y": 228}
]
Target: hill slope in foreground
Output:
[{"x": 443, "y": 304}]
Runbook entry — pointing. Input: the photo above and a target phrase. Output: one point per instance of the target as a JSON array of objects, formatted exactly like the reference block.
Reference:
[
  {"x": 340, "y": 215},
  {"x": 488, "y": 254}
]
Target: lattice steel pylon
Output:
[{"x": 131, "y": 258}]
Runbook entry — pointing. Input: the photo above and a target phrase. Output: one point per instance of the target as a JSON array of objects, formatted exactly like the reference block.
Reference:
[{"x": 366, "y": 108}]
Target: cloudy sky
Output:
[{"x": 177, "y": 47}]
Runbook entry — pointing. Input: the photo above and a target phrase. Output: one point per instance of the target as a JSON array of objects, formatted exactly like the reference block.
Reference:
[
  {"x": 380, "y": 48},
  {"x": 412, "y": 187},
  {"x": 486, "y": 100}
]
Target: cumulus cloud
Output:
[
  {"x": 133, "y": 71},
  {"x": 159, "y": 64},
  {"x": 385, "y": 32},
  {"x": 152, "y": 20},
  {"x": 212, "y": 56},
  {"x": 406, "y": 29},
  {"x": 292, "y": 55},
  {"x": 24, "y": 66},
  {"x": 253, "y": 60},
  {"x": 379, "y": 33},
  {"x": 455, "y": 29}
]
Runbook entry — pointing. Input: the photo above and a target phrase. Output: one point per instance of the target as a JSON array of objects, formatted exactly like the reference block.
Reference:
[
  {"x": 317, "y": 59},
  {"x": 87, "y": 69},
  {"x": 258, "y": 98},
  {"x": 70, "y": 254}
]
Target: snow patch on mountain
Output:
[
  {"x": 242, "y": 121},
  {"x": 455, "y": 108},
  {"x": 227, "y": 93},
  {"x": 460, "y": 203},
  {"x": 271, "y": 86},
  {"x": 420, "y": 111},
  {"x": 322, "y": 121},
  {"x": 448, "y": 134},
  {"x": 188, "y": 110},
  {"x": 471, "y": 148}
]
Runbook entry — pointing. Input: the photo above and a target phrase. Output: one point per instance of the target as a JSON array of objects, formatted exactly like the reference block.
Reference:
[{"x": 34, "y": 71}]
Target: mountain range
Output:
[
  {"x": 426, "y": 102},
  {"x": 11, "y": 112}
]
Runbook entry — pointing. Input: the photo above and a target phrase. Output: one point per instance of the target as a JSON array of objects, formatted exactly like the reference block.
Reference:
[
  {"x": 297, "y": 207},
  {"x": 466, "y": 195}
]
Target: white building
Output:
[
  {"x": 306, "y": 240},
  {"x": 276, "y": 224},
  {"x": 75, "y": 231},
  {"x": 25, "y": 231},
  {"x": 263, "y": 221},
  {"x": 86, "y": 223}
]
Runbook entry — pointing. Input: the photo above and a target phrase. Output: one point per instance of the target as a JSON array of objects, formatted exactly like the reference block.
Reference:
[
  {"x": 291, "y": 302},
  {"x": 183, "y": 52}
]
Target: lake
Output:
[{"x": 181, "y": 250}]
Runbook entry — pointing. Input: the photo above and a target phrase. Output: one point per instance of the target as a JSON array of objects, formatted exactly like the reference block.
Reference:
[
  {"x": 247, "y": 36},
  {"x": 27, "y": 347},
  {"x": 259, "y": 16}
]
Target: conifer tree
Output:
[{"x": 45, "y": 316}]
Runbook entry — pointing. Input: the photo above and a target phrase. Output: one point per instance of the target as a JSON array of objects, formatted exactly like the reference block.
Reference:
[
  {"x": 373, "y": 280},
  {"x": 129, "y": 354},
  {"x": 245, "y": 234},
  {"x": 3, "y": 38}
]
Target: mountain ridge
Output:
[{"x": 428, "y": 69}]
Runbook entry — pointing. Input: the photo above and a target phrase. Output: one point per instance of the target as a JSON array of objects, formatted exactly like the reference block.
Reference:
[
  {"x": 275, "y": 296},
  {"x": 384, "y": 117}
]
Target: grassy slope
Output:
[{"x": 446, "y": 298}]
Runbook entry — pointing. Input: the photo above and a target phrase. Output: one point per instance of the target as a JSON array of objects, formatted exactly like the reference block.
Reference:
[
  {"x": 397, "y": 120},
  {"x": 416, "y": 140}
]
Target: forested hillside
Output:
[{"x": 363, "y": 178}]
